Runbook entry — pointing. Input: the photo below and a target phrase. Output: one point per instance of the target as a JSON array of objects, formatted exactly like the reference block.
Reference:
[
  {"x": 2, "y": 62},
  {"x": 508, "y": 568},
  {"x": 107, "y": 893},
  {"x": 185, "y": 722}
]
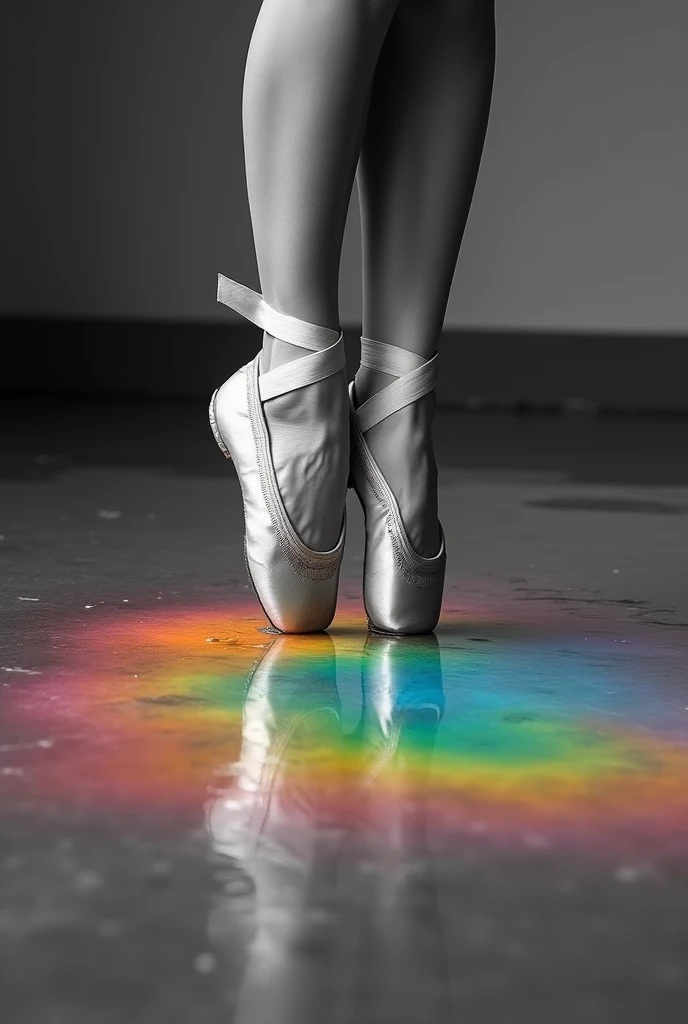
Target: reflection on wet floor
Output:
[
  {"x": 330, "y": 829},
  {"x": 376, "y": 808}
]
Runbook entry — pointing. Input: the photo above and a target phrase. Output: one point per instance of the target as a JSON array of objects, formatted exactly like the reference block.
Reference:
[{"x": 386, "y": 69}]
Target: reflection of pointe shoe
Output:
[
  {"x": 291, "y": 723},
  {"x": 295, "y": 584},
  {"x": 403, "y": 696},
  {"x": 402, "y": 590}
]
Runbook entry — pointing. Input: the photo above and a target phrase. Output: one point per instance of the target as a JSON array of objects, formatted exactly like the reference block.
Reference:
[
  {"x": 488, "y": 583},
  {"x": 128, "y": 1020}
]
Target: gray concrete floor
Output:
[{"x": 202, "y": 823}]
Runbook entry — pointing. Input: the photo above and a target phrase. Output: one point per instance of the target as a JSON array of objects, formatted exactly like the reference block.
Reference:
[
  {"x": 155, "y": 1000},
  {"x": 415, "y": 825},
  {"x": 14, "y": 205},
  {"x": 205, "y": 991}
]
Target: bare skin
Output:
[{"x": 405, "y": 85}]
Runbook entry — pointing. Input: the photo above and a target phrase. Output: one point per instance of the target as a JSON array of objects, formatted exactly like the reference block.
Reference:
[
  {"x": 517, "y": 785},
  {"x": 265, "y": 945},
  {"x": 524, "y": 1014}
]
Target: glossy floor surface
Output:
[{"x": 202, "y": 822}]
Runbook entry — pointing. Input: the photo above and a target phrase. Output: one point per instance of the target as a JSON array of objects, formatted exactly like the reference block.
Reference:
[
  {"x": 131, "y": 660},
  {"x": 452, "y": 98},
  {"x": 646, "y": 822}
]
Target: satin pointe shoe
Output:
[
  {"x": 296, "y": 585},
  {"x": 402, "y": 590}
]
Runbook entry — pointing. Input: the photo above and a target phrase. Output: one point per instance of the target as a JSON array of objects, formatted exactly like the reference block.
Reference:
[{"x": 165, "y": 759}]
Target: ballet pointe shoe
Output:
[
  {"x": 295, "y": 584},
  {"x": 402, "y": 590}
]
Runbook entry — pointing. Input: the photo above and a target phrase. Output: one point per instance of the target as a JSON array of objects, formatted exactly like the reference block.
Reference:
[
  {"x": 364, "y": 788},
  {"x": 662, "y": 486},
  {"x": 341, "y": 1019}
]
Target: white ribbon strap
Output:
[
  {"x": 376, "y": 355},
  {"x": 416, "y": 378},
  {"x": 325, "y": 345},
  {"x": 301, "y": 372}
]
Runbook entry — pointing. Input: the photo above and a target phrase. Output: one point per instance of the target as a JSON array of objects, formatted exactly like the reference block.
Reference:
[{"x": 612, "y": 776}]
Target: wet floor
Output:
[{"x": 204, "y": 822}]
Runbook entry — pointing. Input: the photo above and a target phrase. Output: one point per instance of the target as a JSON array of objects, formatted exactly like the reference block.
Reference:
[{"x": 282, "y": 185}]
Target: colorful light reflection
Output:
[{"x": 538, "y": 738}]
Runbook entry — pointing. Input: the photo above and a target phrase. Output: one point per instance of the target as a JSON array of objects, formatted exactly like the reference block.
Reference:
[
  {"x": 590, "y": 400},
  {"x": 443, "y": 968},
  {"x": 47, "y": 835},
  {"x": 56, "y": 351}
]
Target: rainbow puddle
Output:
[{"x": 522, "y": 736}]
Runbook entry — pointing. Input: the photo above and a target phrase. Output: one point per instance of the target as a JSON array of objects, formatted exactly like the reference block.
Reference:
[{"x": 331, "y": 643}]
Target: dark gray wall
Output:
[{"x": 123, "y": 176}]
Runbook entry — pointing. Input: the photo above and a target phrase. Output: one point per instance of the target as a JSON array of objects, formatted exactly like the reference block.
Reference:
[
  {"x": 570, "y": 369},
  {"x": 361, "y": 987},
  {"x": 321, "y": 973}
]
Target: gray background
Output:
[{"x": 124, "y": 178}]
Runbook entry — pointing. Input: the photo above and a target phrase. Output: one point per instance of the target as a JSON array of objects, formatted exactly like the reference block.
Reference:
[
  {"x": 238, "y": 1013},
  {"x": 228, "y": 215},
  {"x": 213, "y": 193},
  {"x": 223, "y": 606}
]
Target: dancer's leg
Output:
[
  {"x": 307, "y": 83},
  {"x": 421, "y": 152}
]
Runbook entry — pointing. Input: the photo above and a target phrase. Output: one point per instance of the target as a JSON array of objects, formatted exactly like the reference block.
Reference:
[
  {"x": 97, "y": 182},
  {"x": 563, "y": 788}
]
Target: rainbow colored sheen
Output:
[{"x": 510, "y": 733}]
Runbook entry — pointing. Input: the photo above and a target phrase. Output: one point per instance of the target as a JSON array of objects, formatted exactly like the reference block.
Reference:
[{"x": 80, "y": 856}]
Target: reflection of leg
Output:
[
  {"x": 307, "y": 81},
  {"x": 232, "y": 928},
  {"x": 403, "y": 974},
  {"x": 419, "y": 162},
  {"x": 271, "y": 822},
  {"x": 292, "y": 972}
]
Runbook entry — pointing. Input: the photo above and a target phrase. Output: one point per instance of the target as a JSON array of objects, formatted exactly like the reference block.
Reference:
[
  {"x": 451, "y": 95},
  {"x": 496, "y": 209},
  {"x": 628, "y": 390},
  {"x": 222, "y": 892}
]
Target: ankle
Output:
[
  {"x": 416, "y": 418},
  {"x": 369, "y": 382},
  {"x": 276, "y": 352},
  {"x": 322, "y": 406}
]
